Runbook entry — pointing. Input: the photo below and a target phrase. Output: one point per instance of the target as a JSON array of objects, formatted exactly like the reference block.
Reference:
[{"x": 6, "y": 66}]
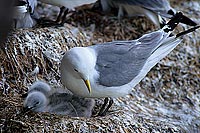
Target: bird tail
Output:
[
  {"x": 168, "y": 45},
  {"x": 164, "y": 49},
  {"x": 175, "y": 40},
  {"x": 187, "y": 31},
  {"x": 185, "y": 20}
]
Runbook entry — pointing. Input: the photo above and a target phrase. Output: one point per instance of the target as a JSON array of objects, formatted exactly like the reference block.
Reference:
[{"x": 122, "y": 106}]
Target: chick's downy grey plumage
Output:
[
  {"x": 40, "y": 86},
  {"x": 63, "y": 103},
  {"x": 42, "y": 99}
]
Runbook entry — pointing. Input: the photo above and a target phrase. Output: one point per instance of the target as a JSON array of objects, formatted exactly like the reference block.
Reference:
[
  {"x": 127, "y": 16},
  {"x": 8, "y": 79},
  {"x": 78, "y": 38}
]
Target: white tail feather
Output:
[{"x": 165, "y": 48}]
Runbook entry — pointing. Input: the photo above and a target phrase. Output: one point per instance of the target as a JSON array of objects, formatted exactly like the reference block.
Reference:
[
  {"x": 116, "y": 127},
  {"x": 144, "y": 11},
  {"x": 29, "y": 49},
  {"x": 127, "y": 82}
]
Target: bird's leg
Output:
[
  {"x": 108, "y": 107},
  {"x": 120, "y": 13},
  {"x": 104, "y": 110},
  {"x": 62, "y": 9},
  {"x": 64, "y": 16},
  {"x": 103, "y": 106},
  {"x": 47, "y": 23}
]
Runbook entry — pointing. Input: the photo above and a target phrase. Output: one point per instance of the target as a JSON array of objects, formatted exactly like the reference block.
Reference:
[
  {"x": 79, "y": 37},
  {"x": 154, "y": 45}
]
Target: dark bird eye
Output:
[
  {"x": 37, "y": 102},
  {"x": 76, "y": 70}
]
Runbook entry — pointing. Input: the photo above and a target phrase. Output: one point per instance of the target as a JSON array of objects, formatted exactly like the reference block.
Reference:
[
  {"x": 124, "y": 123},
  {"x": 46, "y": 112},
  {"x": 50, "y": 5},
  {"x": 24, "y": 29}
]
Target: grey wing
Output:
[
  {"x": 119, "y": 62},
  {"x": 159, "y": 6}
]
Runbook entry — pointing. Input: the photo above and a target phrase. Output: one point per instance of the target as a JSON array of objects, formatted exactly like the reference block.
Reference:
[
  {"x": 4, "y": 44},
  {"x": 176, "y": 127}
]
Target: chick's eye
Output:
[
  {"x": 76, "y": 70},
  {"x": 37, "y": 102}
]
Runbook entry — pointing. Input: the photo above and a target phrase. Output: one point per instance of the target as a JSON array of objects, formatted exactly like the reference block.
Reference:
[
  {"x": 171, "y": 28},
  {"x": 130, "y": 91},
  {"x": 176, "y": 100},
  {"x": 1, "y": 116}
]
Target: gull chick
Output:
[
  {"x": 155, "y": 10},
  {"x": 112, "y": 69},
  {"x": 41, "y": 98}
]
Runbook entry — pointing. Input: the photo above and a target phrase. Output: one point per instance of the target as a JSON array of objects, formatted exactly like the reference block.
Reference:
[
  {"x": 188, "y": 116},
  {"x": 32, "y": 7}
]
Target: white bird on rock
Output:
[
  {"x": 112, "y": 69},
  {"x": 155, "y": 10},
  {"x": 41, "y": 98}
]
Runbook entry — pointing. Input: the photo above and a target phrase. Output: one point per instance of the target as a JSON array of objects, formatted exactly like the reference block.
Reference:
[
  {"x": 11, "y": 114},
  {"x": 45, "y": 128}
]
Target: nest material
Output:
[{"x": 167, "y": 100}]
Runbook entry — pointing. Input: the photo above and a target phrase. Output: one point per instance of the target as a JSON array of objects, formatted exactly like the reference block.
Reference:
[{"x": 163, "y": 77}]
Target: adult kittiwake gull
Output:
[{"x": 113, "y": 69}]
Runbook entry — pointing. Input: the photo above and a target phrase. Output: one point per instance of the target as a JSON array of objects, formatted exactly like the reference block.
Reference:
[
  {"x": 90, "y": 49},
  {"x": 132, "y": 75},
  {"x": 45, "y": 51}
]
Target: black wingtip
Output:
[
  {"x": 171, "y": 12},
  {"x": 184, "y": 19},
  {"x": 187, "y": 21},
  {"x": 174, "y": 21},
  {"x": 187, "y": 31}
]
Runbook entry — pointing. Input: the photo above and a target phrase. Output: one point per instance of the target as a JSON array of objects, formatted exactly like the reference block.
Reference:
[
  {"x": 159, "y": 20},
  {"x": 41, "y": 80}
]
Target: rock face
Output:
[{"x": 167, "y": 100}]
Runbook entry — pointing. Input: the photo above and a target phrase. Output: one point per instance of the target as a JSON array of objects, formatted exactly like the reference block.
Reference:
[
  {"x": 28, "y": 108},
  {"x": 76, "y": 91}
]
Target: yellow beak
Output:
[{"x": 87, "y": 83}]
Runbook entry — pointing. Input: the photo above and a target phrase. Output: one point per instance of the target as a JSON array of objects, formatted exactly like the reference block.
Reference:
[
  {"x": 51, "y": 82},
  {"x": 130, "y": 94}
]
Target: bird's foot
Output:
[
  {"x": 43, "y": 22},
  {"x": 105, "y": 109}
]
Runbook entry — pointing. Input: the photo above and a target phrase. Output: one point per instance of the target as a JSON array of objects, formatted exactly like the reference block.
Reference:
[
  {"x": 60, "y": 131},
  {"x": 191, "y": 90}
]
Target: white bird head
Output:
[{"x": 78, "y": 62}]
